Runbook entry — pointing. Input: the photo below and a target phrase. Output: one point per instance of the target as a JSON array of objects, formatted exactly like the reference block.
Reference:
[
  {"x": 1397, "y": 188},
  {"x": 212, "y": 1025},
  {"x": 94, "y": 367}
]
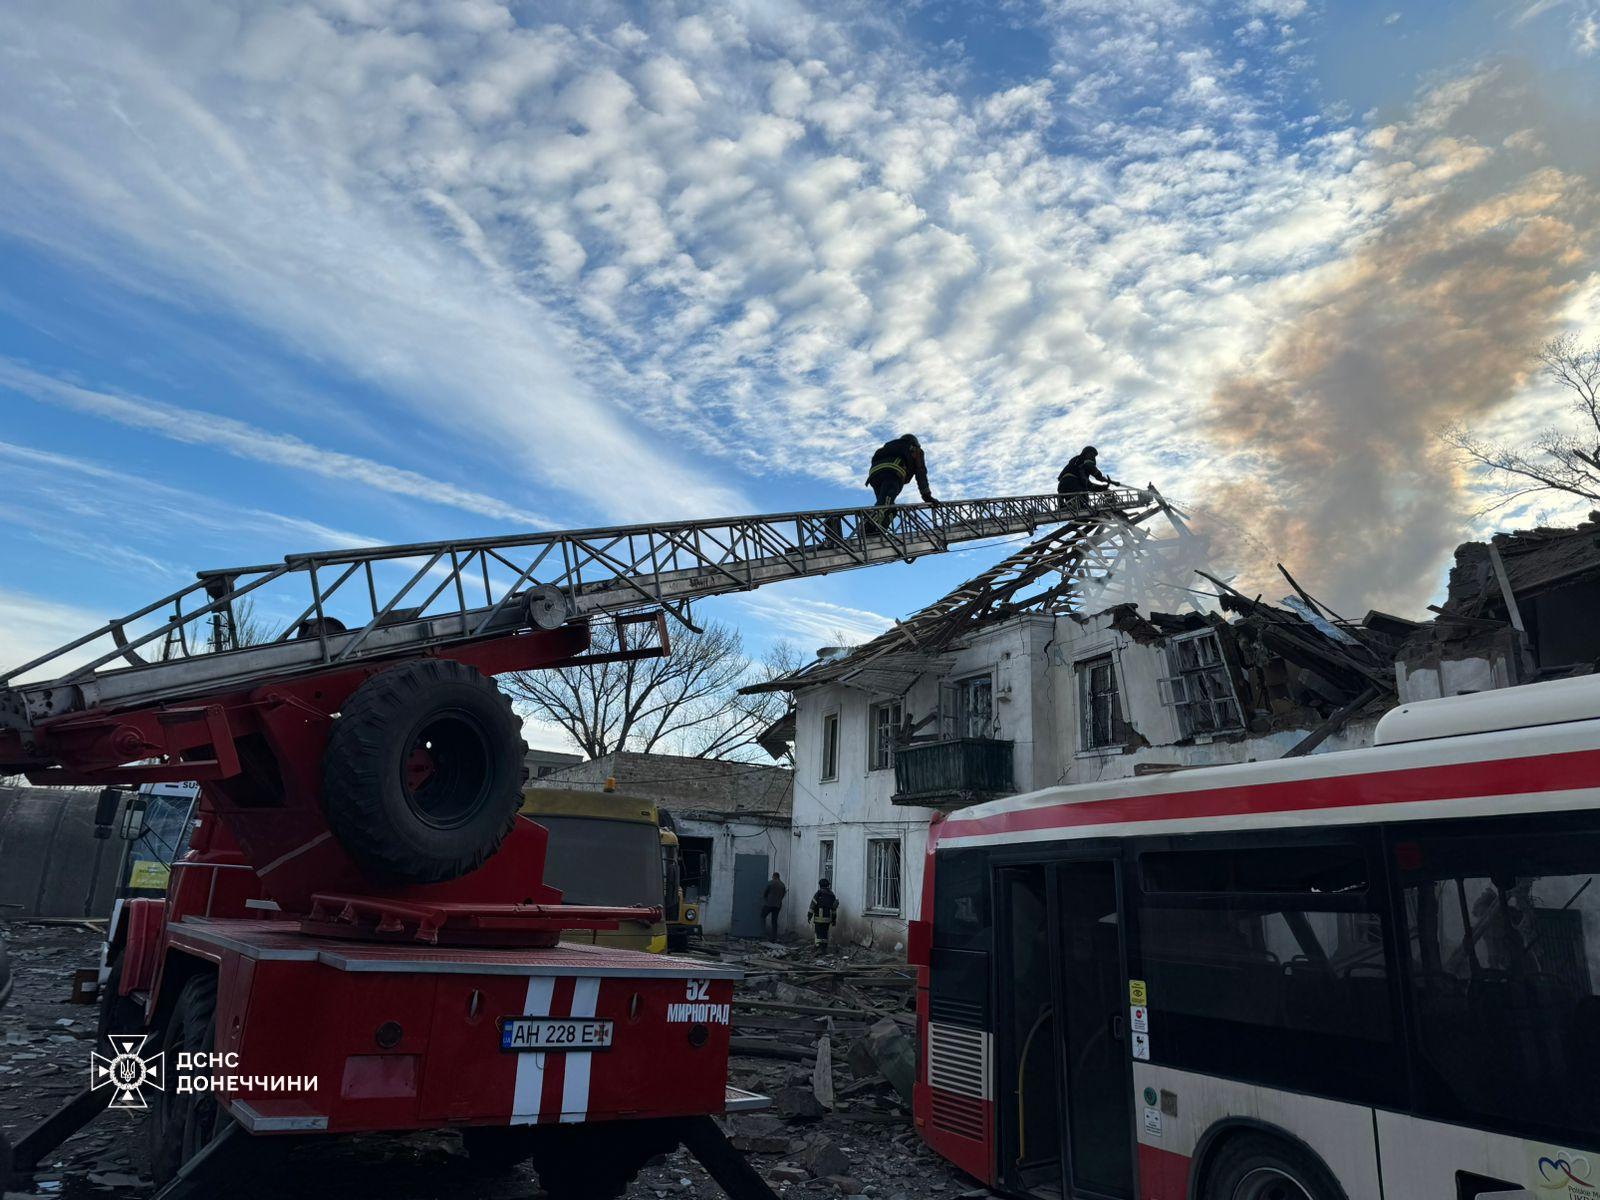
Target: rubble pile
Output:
[{"x": 831, "y": 1039}]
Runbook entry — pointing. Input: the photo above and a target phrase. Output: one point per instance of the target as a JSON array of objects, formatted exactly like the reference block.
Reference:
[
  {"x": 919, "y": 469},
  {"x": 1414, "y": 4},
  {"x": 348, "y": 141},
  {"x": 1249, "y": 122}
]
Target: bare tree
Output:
[
  {"x": 1559, "y": 459},
  {"x": 685, "y": 703}
]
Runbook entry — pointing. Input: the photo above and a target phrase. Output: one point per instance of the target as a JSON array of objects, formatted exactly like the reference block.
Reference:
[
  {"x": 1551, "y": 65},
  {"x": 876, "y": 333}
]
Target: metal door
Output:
[{"x": 750, "y": 876}]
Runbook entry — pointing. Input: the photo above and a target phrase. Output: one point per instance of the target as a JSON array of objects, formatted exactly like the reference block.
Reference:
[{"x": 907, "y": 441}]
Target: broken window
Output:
[
  {"x": 1200, "y": 688},
  {"x": 883, "y": 875},
  {"x": 825, "y": 859},
  {"x": 974, "y": 707},
  {"x": 830, "y": 745},
  {"x": 882, "y": 727},
  {"x": 1098, "y": 705}
]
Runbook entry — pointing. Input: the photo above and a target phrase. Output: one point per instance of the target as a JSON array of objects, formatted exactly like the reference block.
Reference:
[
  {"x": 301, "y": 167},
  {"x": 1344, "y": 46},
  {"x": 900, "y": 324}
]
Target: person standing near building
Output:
[
  {"x": 772, "y": 902},
  {"x": 824, "y": 911}
]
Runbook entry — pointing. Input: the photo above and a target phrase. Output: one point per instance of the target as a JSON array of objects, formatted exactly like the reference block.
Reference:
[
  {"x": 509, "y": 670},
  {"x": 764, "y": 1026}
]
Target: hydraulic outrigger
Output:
[{"x": 360, "y": 905}]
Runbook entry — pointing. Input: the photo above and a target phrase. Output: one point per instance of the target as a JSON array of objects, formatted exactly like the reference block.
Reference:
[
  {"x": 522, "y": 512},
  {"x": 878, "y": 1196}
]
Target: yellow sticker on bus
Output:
[{"x": 1136, "y": 992}]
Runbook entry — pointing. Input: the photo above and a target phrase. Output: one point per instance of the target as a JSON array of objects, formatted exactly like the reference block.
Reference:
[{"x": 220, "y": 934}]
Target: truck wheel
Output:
[
  {"x": 183, "y": 1125},
  {"x": 597, "y": 1162},
  {"x": 423, "y": 773},
  {"x": 497, "y": 1148},
  {"x": 1257, "y": 1167}
]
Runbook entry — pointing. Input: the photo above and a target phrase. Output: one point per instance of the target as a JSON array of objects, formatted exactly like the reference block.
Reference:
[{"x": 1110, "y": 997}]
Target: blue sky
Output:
[{"x": 278, "y": 277}]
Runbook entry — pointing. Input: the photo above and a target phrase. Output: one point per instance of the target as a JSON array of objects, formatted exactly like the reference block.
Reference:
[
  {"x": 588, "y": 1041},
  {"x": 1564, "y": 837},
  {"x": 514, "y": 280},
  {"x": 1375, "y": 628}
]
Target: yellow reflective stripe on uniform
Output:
[{"x": 892, "y": 465}]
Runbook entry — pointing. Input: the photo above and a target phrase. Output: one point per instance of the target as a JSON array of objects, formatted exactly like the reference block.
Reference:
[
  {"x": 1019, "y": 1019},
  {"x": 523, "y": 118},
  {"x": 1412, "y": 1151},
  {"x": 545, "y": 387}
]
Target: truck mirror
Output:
[
  {"x": 105, "y": 810},
  {"x": 133, "y": 819}
]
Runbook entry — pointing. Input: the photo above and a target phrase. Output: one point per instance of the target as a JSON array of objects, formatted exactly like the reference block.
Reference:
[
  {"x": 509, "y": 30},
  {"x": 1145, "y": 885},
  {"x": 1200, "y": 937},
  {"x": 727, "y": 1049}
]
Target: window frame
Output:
[
  {"x": 826, "y": 860},
  {"x": 828, "y": 768},
  {"x": 1083, "y": 671},
  {"x": 961, "y": 717},
  {"x": 870, "y": 906},
  {"x": 1179, "y": 689},
  {"x": 897, "y": 707}
]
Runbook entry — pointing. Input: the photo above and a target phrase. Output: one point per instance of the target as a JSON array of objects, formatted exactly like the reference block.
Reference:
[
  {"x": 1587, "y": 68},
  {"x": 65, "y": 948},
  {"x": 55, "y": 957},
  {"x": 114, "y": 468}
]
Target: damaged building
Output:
[
  {"x": 1518, "y": 608},
  {"x": 1057, "y": 666}
]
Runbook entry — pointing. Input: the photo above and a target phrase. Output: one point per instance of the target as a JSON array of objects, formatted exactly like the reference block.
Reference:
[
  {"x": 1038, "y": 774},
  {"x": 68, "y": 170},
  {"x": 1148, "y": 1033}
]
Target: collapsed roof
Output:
[{"x": 1096, "y": 551}]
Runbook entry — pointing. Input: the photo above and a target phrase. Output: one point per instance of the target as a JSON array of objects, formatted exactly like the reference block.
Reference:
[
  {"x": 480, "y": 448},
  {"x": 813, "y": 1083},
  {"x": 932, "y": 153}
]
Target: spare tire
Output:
[{"x": 423, "y": 773}]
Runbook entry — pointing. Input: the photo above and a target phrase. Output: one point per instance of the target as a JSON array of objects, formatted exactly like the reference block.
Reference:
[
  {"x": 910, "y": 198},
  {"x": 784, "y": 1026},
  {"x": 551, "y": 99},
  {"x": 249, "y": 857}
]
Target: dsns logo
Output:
[{"x": 126, "y": 1070}]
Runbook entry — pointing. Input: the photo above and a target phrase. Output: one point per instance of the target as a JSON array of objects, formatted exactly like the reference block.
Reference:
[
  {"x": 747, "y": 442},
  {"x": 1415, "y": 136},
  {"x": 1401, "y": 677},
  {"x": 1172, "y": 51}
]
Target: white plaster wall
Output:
[
  {"x": 729, "y": 838},
  {"x": 857, "y": 805},
  {"x": 1139, "y": 669},
  {"x": 1452, "y": 677}
]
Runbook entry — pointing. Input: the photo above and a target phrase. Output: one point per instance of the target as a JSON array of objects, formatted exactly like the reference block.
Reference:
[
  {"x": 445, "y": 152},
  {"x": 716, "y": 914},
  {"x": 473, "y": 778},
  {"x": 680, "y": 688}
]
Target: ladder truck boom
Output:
[{"x": 379, "y": 602}]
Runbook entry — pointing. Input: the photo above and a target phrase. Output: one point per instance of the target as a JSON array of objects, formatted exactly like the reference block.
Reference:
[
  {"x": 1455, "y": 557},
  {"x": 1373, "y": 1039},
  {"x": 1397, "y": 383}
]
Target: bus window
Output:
[
  {"x": 1504, "y": 949},
  {"x": 961, "y": 900},
  {"x": 1286, "y": 983}
]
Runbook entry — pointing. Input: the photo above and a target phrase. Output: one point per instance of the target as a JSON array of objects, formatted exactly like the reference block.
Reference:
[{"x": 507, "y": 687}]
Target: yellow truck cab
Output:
[
  {"x": 682, "y": 919},
  {"x": 609, "y": 849}
]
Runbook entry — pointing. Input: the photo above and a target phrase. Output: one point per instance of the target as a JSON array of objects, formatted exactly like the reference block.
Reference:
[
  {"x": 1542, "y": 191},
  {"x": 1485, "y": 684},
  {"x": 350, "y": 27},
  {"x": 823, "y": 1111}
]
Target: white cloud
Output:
[
  {"x": 31, "y": 625},
  {"x": 246, "y": 441}
]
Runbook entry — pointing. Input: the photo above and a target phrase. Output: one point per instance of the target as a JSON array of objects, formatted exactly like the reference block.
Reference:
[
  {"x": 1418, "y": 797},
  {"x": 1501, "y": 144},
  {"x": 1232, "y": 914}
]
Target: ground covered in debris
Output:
[{"x": 828, "y": 1037}]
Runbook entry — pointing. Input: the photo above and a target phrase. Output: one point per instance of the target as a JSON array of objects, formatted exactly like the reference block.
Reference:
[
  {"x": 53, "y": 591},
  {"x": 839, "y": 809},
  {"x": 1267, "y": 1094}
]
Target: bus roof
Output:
[{"x": 1535, "y": 748}]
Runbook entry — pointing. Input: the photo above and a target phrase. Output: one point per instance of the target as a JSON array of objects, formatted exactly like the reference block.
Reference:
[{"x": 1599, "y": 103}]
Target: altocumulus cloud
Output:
[{"x": 774, "y": 234}]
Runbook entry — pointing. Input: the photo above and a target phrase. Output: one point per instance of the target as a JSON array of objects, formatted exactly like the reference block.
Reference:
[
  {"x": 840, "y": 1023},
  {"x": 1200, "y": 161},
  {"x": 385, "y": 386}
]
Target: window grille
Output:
[{"x": 883, "y": 875}]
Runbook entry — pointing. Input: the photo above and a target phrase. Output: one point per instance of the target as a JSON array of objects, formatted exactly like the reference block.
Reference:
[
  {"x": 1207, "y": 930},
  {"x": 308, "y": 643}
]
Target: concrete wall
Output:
[
  {"x": 678, "y": 782},
  {"x": 730, "y": 836},
  {"x": 51, "y": 864}
]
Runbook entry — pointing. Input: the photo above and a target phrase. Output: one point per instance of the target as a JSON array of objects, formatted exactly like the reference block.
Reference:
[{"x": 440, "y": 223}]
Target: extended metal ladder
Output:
[{"x": 374, "y": 602}]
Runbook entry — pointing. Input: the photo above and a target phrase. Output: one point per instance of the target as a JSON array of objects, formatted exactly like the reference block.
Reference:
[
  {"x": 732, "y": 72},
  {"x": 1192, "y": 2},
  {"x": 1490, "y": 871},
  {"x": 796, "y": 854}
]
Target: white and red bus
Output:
[{"x": 1368, "y": 975}]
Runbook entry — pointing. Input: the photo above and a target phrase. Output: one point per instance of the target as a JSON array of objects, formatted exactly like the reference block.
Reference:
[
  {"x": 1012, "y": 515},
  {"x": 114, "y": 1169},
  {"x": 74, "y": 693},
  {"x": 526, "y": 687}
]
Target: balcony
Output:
[{"x": 953, "y": 773}]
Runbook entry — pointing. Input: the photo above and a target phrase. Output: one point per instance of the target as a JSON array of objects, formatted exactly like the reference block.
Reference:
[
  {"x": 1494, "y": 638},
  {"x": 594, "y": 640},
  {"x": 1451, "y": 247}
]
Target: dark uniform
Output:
[
  {"x": 1080, "y": 475},
  {"x": 892, "y": 465},
  {"x": 824, "y": 911}
]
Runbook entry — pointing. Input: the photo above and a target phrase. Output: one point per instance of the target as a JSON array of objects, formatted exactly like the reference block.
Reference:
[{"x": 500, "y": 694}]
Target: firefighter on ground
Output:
[
  {"x": 1082, "y": 475},
  {"x": 892, "y": 465},
  {"x": 824, "y": 911}
]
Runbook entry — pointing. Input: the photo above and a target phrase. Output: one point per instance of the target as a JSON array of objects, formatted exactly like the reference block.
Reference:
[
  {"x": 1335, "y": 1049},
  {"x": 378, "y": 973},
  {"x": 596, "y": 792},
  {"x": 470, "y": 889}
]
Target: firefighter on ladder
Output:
[
  {"x": 894, "y": 463},
  {"x": 1080, "y": 477}
]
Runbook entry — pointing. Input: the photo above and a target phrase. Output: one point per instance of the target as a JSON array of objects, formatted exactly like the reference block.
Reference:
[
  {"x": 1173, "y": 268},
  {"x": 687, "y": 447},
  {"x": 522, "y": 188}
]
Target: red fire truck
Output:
[
  {"x": 360, "y": 938},
  {"x": 1354, "y": 976}
]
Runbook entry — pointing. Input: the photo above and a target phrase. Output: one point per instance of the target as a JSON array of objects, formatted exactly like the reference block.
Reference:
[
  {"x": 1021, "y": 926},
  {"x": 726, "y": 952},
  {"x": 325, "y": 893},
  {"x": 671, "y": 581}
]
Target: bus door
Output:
[
  {"x": 1029, "y": 1091},
  {"x": 1094, "y": 1032},
  {"x": 1065, "y": 1084}
]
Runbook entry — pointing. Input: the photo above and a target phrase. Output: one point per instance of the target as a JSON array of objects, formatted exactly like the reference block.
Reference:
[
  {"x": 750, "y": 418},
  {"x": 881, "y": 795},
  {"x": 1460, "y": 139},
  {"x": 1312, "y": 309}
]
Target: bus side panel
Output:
[
  {"x": 1421, "y": 1158},
  {"x": 957, "y": 1127},
  {"x": 1190, "y": 1105}
]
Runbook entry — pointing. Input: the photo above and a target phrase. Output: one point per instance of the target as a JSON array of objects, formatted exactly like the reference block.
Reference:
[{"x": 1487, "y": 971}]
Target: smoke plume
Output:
[{"x": 1432, "y": 320}]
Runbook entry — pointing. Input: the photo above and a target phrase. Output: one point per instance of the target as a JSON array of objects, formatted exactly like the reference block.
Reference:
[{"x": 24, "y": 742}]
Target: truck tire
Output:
[
  {"x": 1255, "y": 1166},
  {"x": 597, "y": 1161},
  {"x": 497, "y": 1148},
  {"x": 423, "y": 773},
  {"x": 183, "y": 1125}
]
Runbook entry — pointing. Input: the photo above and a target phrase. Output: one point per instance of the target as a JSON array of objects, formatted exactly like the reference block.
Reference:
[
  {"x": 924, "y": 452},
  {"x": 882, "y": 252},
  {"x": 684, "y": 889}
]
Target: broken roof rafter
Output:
[{"x": 1089, "y": 549}]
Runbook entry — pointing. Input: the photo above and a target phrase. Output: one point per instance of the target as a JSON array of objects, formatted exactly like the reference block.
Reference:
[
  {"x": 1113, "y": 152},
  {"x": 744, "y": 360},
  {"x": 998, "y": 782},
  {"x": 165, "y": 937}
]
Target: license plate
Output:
[{"x": 554, "y": 1033}]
